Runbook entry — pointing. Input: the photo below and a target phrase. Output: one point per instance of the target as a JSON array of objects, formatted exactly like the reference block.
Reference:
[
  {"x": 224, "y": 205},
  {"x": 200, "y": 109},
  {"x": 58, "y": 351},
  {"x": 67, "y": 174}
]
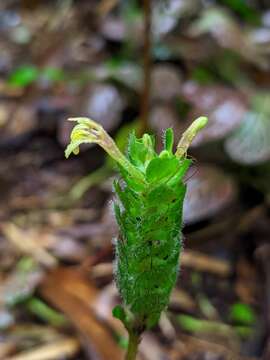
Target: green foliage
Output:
[
  {"x": 148, "y": 210},
  {"x": 46, "y": 313},
  {"x": 24, "y": 76},
  {"x": 53, "y": 74},
  {"x": 26, "y": 270},
  {"x": 28, "y": 74},
  {"x": 200, "y": 326},
  {"x": 150, "y": 218},
  {"x": 119, "y": 313},
  {"x": 242, "y": 314},
  {"x": 244, "y": 10},
  {"x": 203, "y": 76}
]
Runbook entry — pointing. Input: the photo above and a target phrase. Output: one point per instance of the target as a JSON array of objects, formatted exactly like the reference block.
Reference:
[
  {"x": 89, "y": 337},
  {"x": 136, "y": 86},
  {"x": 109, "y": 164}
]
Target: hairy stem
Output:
[
  {"x": 133, "y": 343},
  {"x": 145, "y": 100}
]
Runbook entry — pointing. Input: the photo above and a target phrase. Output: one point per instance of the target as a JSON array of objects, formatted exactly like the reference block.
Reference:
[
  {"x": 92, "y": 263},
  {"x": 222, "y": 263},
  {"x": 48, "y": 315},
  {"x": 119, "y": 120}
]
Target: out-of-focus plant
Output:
[
  {"x": 28, "y": 74},
  {"x": 148, "y": 210},
  {"x": 243, "y": 314}
]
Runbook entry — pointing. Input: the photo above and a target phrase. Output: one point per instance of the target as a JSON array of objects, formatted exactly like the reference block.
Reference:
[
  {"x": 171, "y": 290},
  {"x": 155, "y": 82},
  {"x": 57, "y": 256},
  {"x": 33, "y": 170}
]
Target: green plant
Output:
[
  {"x": 148, "y": 210},
  {"x": 28, "y": 74}
]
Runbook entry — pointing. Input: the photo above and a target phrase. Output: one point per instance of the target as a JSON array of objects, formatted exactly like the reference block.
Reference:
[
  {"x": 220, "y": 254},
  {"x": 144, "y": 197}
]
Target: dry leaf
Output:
[{"x": 69, "y": 290}]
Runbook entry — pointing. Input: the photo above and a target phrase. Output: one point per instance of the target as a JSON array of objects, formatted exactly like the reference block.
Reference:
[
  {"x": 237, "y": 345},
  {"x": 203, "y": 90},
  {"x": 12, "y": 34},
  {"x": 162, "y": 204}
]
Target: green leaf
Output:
[
  {"x": 141, "y": 151},
  {"x": 242, "y": 314},
  {"x": 204, "y": 327},
  {"x": 246, "y": 11},
  {"x": 23, "y": 76},
  {"x": 119, "y": 313},
  {"x": 53, "y": 74},
  {"x": 203, "y": 76},
  {"x": 169, "y": 140},
  {"x": 45, "y": 312},
  {"x": 161, "y": 168}
]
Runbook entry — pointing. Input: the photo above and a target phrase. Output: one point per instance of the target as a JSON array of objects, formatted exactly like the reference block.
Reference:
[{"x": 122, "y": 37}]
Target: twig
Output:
[{"x": 145, "y": 101}]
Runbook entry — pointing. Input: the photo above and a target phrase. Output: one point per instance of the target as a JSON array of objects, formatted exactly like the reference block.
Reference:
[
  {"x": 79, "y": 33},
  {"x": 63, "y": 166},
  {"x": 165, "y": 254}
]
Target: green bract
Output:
[
  {"x": 149, "y": 216},
  {"x": 148, "y": 210}
]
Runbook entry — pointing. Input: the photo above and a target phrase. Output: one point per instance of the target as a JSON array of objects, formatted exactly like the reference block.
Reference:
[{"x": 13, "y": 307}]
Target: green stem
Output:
[{"x": 133, "y": 343}]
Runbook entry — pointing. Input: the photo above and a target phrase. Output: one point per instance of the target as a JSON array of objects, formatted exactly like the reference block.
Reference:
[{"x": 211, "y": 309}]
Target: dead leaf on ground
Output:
[
  {"x": 166, "y": 15},
  {"x": 190, "y": 347},
  {"x": 65, "y": 347},
  {"x": 166, "y": 82},
  {"x": 205, "y": 263},
  {"x": 225, "y": 108},
  {"x": 105, "y": 104},
  {"x": 105, "y": 6},
  {"x": 250, "y": 143},
  {"x": 229, "y": 34},
  {"x": 209, "y": 190},
  {"x": 30, "y": 242},
  {"x": 21, "y": 282},
  {"x": 114, "y": 28},
  {"x": 181, "y": 299},
  {"x": 69, "y": 290},
  {"x": 21, "y": 121}
]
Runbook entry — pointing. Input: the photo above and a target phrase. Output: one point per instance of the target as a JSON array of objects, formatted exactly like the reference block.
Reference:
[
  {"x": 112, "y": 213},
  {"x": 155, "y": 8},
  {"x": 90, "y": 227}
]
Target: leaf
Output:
[
  {"x": 209, "y": 191},
  {"x": 228, "y": 34},
  {"x": 242, "y": 314},
  {"x": 105, "y": 104},
  {"x": 21, "y": 282},
  {"x": 166, "y": 81},
  {"x": 200, "y": 326},
  {"x": 52, "y": 74},
  {"x": 169, "y": 140},
  {"x": 137, "y": 151},
  {"x": 161, "y": 192},
  {"x": 127, "y": 73},
  {"x": 119, "y": 313},
  {"x": 23, "y": 76},
  {"x": 70, "y": 291},
  {"x": 114, "y": 28},
  {"x": 141, "y": 151},
  {"x": 224, "y": 106},
  {"x": 167, "y": 14},
  {"x": 45, "y": 312},
  {"x": 161, "y": 168},
  {"x": 244, "y": 9},
  {"x": 250, "y": 143}
]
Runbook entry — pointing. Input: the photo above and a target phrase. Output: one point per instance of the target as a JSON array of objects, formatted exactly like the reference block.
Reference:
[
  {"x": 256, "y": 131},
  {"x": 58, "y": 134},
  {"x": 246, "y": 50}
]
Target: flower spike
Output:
[{"x": 88, "y": 131}]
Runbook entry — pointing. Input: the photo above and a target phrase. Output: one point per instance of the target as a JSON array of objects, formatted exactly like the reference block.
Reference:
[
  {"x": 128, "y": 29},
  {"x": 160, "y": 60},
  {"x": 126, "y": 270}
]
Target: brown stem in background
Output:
[{"x": 145, "y": 100}]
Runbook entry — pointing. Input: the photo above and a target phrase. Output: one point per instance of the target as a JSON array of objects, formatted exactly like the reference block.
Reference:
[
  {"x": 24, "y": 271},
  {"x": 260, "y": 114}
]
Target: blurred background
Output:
[{"x": 133, "y": 64}]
